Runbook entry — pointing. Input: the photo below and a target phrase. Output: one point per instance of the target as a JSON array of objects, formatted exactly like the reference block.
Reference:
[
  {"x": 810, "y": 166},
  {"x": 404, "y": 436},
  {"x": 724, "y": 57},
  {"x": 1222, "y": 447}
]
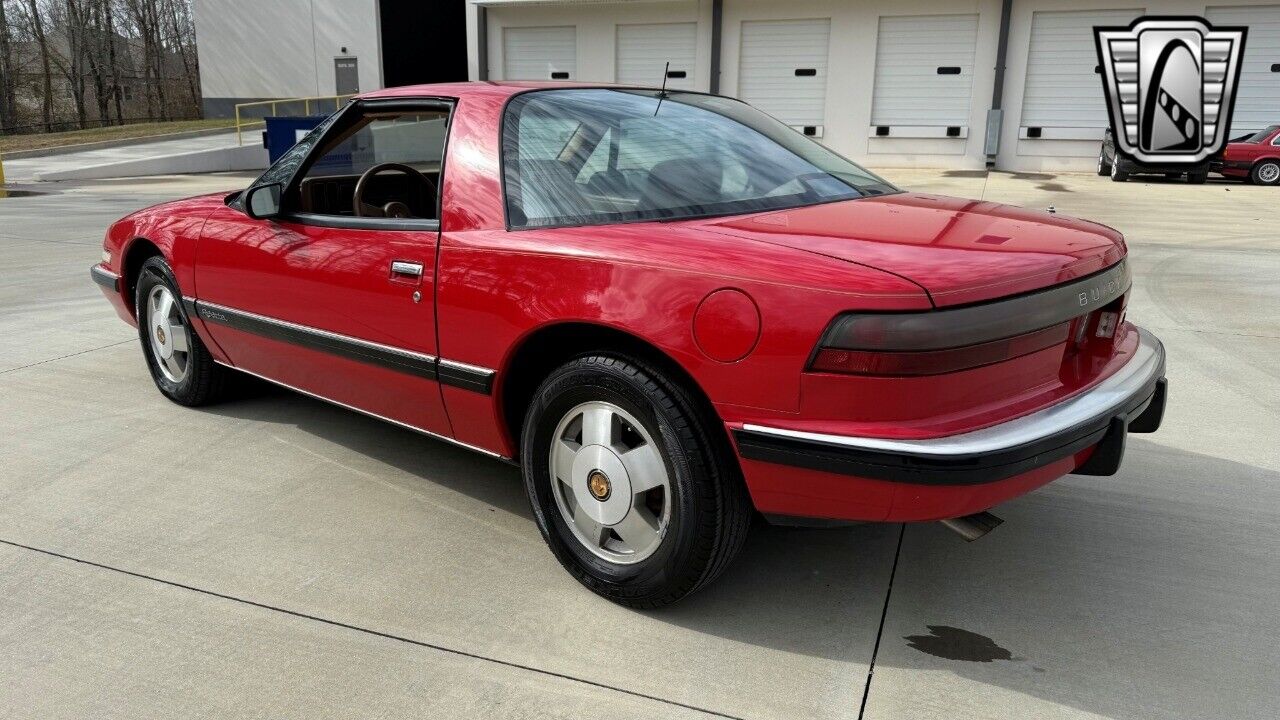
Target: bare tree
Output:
[
  {"x": 96, "y": 61},
  {"x": 182, "y": 35},
  {"x": 145, "y": 16},
  {"x": 95, "y": 56},
  {"x": 109, "y": 27},
  {"x": 71, "y": 16},
  {"x": 37, "y": 30},
  {"x": 8, "y": 74}
]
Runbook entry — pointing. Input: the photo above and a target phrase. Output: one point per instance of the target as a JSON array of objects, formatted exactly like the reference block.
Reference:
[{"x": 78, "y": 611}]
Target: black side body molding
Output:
[{"x": 459, "y": 375}]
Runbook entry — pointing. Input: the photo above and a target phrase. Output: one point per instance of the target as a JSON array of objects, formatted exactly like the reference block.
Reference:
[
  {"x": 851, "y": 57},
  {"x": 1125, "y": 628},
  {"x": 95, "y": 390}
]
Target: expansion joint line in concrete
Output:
[
  {"x": 884, "y": 612},
  {"x": 367, "y": 631}
]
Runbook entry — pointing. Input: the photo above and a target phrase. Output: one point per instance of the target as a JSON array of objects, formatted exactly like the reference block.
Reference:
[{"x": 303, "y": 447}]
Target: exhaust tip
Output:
[{"x": 972, "y": 527}]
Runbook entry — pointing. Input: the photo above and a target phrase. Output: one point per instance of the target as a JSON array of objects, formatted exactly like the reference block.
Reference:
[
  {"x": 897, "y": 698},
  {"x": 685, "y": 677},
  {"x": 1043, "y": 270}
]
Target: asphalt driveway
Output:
[{"x": 278, "y": 557}]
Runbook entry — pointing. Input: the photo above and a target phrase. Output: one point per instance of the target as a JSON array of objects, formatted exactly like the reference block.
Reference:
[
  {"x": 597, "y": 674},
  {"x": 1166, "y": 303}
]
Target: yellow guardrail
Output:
[{"x": 320, "y": 101}]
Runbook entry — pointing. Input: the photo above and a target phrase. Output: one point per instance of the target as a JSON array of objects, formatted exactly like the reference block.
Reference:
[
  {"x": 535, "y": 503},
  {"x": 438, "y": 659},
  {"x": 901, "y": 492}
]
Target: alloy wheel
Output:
[
  {"x": 170, "y": 336},
  {"x": 610, "y": 482},
  {"x": 1269, "y": 173}
]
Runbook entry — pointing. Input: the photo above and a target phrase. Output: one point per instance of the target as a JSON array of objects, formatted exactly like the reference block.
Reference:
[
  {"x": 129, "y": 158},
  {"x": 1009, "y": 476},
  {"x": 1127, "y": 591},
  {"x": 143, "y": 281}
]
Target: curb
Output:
[{"x": 106, "y": 144}]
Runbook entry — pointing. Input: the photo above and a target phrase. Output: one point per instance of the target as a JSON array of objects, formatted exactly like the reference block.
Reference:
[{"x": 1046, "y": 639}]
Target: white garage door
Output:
[
  {"x": 1258, "y": 97},
  {"x": 644, "y": 50},
  {"x": 782, "y": 70},
  {"x": 540, "y": 53},
  {"x": 1062, "y": 89},
  {"x": 924, "y": 74}
]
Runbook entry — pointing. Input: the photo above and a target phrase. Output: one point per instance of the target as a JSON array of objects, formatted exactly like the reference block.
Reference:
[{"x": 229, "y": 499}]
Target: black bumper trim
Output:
[
  {"x": 1146, "y": 408},
  {"x": 105, "y": 277}
]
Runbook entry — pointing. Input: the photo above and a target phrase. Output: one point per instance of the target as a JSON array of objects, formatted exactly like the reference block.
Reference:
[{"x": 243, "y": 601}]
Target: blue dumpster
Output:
[{"x": 283, "y": 133}]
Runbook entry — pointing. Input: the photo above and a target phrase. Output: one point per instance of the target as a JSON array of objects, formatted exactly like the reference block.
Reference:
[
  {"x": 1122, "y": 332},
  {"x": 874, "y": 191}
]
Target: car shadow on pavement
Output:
[
  {"x": 770, "y": 596},
  {"x": 1140, "y": 595}
]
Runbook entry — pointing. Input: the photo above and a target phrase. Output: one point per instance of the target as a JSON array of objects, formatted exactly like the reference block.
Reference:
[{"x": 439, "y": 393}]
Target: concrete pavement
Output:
[
  {"x": 185, "y": 154},
  {"x": 274, "y": 556}
]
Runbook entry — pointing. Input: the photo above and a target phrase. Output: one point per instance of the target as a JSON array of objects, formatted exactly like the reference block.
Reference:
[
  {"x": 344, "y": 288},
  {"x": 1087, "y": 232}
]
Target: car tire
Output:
[
  {"x": 1266, "y": 172},
  {"x": 180, "y": 364},
  {"x": 1104, "y": 167},
  {"x": 1198, "y": 178},
  {"x": 633, "y": 487},
  {"x": 1117, "y": 173}
]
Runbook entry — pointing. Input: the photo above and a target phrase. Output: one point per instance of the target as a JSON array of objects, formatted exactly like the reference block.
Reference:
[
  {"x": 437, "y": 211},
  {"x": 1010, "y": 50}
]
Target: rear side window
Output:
[{"x": 599, "y": 156}]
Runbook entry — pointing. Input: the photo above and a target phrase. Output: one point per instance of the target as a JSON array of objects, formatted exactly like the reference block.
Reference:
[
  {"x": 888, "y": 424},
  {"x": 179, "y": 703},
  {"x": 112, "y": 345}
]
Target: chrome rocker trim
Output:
[{"x": 1132, "y": 399}]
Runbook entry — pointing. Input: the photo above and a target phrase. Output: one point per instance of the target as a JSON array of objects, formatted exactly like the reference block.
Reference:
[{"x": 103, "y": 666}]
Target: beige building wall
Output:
[{"x": 260, "y": 49}]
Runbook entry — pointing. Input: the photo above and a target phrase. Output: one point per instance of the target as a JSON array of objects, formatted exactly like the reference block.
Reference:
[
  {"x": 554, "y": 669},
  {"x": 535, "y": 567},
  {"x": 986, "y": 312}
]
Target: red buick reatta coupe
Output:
[{"x": 670, "y": 309}]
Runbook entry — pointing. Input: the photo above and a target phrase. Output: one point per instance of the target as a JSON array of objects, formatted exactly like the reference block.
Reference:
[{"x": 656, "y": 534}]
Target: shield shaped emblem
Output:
[{"x": 1170, "y": 84}]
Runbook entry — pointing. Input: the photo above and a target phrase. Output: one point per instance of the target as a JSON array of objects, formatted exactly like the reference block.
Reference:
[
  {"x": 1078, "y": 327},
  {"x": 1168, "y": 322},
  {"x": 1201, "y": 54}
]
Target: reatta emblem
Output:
[{"x": 1171, "y": 85}]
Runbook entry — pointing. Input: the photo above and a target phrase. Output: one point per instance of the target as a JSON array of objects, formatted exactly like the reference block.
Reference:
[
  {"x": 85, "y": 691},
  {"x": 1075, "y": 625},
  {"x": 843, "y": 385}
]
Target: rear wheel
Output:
[
  {"x": 1118, "y": 174},
  {"x": 180, "y": 364},
  {"x": 1266, "y": 172},
  {"x": 1198, "y": 178},
  {"x": 634, "y": 492},
  {"x": 1104, "y": 167}
]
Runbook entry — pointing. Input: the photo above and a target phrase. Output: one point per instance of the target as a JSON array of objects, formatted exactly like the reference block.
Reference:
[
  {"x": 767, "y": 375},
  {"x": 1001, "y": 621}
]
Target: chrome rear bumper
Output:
[{"x": 1130, "y": 400}]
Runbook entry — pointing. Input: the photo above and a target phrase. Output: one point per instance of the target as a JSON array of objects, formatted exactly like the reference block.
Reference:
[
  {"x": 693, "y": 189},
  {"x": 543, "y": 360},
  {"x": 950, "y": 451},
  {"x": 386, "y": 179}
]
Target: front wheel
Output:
[
  {"x": 1266, "y": 172},
  {"x": 1104, "y": 167},
  {"x": 1198, "y": 178},
  {"x": 180, "y": 364},
  {"x": 632, "y": 487}
]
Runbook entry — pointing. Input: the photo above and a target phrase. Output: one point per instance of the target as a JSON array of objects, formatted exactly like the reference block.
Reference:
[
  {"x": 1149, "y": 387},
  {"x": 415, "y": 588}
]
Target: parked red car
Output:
[
  {"x": 1256, "y": 157},
  {"x": 667, "y": 307}
]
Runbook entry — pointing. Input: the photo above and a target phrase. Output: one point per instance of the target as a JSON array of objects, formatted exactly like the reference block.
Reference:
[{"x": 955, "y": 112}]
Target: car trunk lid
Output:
[{"x": 960, "y": 251}]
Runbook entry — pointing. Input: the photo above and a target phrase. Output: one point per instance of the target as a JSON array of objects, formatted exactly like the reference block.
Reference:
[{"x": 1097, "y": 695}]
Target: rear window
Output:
[
  {"x": 598, "y": 156},
  {"x": 1261, "y": 135}
]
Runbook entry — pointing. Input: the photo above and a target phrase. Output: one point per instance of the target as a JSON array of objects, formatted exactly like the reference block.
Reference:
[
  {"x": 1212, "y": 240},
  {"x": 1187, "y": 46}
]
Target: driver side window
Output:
[{"x": 413, "y": 142}]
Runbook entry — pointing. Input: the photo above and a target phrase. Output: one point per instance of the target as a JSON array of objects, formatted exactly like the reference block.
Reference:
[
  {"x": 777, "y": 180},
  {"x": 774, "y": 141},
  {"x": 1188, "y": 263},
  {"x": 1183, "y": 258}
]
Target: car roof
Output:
[{"x": 492, "y": 88}]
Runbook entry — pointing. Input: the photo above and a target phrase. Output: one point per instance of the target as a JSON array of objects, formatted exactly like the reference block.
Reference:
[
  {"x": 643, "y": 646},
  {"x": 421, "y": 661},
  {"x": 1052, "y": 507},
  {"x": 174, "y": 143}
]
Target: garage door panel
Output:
[
  {"x": 643, "y": 52},
  {"x": 772, "y": 52},
  {"x": 540, "y": 53},
  {"x": 909, "y": 92},
  {"x": 1258, "y": 95},
  {"x": 1062, "y": 89}
]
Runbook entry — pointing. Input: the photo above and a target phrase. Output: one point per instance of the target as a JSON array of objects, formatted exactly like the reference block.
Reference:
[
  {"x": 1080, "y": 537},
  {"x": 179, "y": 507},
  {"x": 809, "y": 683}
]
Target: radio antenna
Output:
[{"x": 663, "y": 92}]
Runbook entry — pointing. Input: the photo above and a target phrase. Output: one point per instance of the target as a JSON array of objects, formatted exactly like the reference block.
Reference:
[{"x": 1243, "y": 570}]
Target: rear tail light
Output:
[
  {"x": 936, "y": 362},
  {"x": 951, "y": 339}
]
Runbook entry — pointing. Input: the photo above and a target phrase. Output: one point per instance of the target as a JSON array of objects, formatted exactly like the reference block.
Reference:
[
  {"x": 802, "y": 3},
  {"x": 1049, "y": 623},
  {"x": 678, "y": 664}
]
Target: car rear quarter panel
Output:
[{"x": 497, "y": 288}]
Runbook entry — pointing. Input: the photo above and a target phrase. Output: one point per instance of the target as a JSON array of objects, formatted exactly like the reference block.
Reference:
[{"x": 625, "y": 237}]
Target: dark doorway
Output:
[{"x": 423, "y": 41}]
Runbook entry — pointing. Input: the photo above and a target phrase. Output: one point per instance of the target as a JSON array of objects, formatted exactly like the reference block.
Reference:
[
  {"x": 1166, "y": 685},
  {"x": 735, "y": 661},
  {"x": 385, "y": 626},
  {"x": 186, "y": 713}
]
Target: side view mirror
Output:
[{"x": 262, "y": 201}]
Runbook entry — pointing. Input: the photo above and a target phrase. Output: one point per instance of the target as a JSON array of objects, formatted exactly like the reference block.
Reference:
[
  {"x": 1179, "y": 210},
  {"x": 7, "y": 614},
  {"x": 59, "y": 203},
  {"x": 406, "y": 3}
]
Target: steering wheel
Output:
[{"x": 395, "y": 208}]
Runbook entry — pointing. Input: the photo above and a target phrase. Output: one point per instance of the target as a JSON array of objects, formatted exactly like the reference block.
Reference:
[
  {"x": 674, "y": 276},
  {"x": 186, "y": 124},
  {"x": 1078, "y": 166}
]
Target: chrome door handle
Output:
[{"x": 412, "y": 269}]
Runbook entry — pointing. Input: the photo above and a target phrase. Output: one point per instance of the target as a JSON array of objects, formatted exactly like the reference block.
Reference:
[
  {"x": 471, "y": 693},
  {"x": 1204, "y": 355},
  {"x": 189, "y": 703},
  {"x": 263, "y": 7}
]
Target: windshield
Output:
[
  {"x": 597, "y": 156},
  {"x": 1261, "y": 135}
]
